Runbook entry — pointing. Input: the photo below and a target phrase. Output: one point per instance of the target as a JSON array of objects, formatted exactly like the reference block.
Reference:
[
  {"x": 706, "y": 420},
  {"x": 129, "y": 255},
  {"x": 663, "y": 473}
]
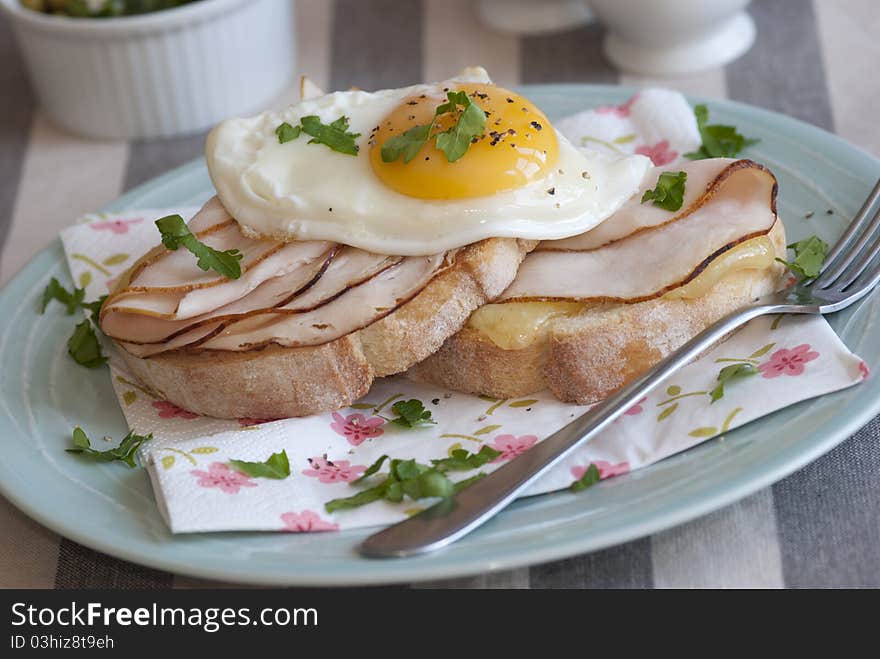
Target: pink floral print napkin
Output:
[
  {"x": 197, "y": 490},
  {"x": 657, "y": 123}
]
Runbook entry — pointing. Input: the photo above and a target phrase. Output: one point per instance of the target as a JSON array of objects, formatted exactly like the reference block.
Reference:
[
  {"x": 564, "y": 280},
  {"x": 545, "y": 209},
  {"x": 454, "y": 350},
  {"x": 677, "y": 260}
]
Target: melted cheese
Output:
[
  {"x": 518, "y": 325},
  {"x": 754, "y": 254}
]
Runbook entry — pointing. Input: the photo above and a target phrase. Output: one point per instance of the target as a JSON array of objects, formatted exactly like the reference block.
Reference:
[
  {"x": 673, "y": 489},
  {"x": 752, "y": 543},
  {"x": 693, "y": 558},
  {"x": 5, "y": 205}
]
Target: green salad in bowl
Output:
[{"x": 102, "y": 8}]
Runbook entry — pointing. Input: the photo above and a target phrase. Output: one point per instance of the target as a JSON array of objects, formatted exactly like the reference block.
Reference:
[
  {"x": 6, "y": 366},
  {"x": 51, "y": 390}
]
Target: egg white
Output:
[{"x": 302, "y": 191}]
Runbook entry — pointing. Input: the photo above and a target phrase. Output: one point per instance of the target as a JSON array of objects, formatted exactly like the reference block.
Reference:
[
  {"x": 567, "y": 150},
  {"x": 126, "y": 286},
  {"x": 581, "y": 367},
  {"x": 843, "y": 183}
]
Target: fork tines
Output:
[{"x": 854, "y": 252}]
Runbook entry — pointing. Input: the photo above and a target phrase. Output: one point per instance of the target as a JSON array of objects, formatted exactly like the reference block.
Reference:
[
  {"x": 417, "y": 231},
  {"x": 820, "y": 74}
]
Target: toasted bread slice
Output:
[
  {"x": 277, "y": 382},
  {"x": 587, "y": 356}
]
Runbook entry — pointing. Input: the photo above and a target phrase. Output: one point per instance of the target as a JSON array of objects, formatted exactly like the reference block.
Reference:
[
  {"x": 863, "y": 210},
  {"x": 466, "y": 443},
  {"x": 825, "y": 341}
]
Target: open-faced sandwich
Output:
[
  {"x": 588, "y": 314},
  {"x": 352, "y": 235}
]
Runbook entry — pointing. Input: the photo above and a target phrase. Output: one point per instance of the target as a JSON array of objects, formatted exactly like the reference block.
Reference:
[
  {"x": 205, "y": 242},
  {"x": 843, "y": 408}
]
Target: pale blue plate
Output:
[{"x": 110, "y": 508}]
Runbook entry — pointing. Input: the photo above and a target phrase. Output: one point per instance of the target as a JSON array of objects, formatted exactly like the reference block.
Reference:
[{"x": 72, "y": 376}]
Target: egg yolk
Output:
[{"x": 518, "y": 145}]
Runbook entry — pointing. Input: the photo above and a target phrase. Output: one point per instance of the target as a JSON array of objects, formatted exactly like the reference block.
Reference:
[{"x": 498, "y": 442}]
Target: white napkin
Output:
[
  {"x": 196, "y": 489},
  {"x": 657, "y": 123}
]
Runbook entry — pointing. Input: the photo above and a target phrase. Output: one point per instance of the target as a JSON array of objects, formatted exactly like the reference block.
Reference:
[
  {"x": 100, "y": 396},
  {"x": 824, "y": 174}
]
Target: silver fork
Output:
[{"x": 845, "y": 278}]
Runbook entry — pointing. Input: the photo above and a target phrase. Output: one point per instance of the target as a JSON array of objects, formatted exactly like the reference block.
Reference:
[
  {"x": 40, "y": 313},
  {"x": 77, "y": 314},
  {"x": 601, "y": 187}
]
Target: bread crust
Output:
[
  {"x": 591, "y": 355},
  {"x": 270, "y": 383},
  {"x": 277, "y": 382}
]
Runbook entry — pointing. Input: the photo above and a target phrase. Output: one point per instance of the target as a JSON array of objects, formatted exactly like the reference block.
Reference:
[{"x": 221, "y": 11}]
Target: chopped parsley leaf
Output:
[
  {"x": 95, "y": 308},
  {"x": 453, "y": 142},
  {"x": 276, "y": 466},
  {"x": 719, "y": 141},
  {"x": 372, "y": 469},
  {"x": 175, "y": 233},
  {"x": 410, "y": 414},
  {"x": 407, "y": 145},
  {"x": 334, "y": 135},
  {"x": 84, "y": 346},
  {"x": 731, "y": 374},
  {"x": 669, "y": 192},
  {"x": 408, "y": 478},
  {"x": 55, "y": 291},
  {"x": 125, "y": 452},
  {"x": 461, "y": 460},
  {"x": 286, "y": 132},
  {"x": 809, "y": 255},
  {"x": 591, "y": 477}
]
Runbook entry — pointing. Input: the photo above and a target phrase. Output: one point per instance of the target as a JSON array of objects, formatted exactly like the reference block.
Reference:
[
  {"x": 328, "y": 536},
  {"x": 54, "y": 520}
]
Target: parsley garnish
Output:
[
  {"x": 405, "y": 477},
  {"x": 175, "y": 233},
  {"x": 372, "y": 469},
  {"x": 286, "y": 132},
  {"x": 453, "y": 142},
  {"x": 419, "y": 482},
  {"x": 84, "y": 347},
  {"x": 357, "y": 500},
  {"x": 95, "y": 308},
  {"x": 410, "y": 413},
  {"x": 276, "y": 466},
  {"x": 408, "y": 144},
  {"x": 334, "y": 135},
  {"x": 809, "y": 255},
  {"x": 731, "y": 374},
  {"x": 125, "y": 452},
  {"x": 415, "y": 480},
  {"x": 72, "y": 301},
  {"x": 719, "y": 141},
  {"x": 55, "y": 291},
  {"x": 669, "y": 193},
  {"x": 591, "y": 477},
  {"x": 461, "y": 460}
]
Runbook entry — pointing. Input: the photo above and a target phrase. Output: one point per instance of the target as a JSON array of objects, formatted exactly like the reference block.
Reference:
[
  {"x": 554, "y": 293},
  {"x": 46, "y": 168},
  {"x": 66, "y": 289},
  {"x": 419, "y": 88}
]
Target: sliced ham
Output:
[
  {"x": 176, "y": 270},
  {"x": 285, "y": 292},
  {"x": 212, "y": 214},
  {"x": 180, "y": 341},
  {"x": 133, "y": 325},
  {"x": 656, "y": 256},
  {"x": 304, "y": 288},
  {"x": 354, "y": 309},
  {"x": 165, "y": 270},
  {"x": 349, "y": 268},
  {"x": 292, "y": 261},
  {"x": 635, "y": 216}
]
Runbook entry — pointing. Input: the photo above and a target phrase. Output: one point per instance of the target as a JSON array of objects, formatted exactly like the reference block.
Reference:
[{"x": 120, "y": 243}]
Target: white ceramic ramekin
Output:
[
  {"x": 155, "y": 75},
  {"x": 672, "y": 37}
]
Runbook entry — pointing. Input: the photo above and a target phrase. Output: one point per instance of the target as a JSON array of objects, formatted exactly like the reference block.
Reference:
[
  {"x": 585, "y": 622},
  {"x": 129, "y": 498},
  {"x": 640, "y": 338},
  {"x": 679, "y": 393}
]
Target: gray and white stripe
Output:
[{"x": 812, "y": 60}]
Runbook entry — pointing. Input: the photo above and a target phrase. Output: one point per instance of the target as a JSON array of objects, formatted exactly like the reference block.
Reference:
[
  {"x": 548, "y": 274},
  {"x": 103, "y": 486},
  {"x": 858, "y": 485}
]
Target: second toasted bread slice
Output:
[{"x": 585, "y": 346}]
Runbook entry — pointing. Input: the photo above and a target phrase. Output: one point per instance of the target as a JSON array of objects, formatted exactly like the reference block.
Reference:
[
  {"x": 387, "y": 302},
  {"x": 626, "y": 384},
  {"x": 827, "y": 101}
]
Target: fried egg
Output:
[{"x": 520, "y": 178}]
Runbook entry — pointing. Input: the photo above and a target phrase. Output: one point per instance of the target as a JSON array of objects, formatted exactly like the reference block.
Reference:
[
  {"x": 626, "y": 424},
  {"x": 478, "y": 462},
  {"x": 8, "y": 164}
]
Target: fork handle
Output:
[{"x": 453, "y": 518}]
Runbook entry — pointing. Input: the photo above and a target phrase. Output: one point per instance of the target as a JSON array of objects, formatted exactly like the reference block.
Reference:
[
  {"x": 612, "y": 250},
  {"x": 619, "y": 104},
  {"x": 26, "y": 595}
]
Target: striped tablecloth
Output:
[{"x": 816, "y": 61}]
